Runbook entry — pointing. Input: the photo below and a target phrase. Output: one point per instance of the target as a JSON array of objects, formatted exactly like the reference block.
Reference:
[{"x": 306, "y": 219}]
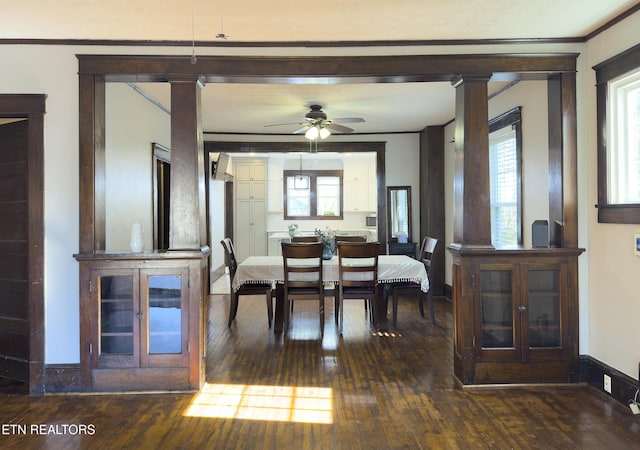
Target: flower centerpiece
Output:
[
  {"x": 293, "y": 228},
  {"x": 328, "y": 238}
]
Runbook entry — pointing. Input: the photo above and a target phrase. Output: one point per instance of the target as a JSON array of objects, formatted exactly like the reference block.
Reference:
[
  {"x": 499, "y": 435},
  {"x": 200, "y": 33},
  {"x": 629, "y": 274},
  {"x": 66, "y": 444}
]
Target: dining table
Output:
[{"x": 270, "y": 269}]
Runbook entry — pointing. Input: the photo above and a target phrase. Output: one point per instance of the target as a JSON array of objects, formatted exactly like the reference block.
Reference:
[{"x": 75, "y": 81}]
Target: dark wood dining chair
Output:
[
  {"x": 302, "y": 262},
  {"x": 358, "y": 276},
  {"x": 265, "y": 289},
  {"x": 425, "y": 255},
  {"x": 304, "y": 239},
  {"x": 350, "y": 238}
]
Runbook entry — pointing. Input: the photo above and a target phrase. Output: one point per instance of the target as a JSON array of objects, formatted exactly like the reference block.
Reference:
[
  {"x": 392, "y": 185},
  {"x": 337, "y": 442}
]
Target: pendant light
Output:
[{"x": 301, "y": 181}]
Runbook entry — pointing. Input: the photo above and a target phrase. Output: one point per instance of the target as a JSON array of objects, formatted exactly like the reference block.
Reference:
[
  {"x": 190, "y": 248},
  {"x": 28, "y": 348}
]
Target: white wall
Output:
[
  {"x": 132, "y": 125},
  {"x": 613, "y": 306}
]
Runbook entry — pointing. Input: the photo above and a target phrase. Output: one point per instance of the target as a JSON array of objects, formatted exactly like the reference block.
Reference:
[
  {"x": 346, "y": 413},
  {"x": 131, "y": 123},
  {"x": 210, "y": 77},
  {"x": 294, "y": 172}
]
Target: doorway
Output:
[{"x": 21, "y": 248}]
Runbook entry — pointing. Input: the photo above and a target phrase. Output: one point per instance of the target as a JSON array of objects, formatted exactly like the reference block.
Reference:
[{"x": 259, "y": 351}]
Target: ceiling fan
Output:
[{"x": 316, "y": 124}]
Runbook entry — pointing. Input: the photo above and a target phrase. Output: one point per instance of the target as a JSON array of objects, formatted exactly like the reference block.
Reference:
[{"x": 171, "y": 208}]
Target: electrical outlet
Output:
[{"x": 607, "y": 383}]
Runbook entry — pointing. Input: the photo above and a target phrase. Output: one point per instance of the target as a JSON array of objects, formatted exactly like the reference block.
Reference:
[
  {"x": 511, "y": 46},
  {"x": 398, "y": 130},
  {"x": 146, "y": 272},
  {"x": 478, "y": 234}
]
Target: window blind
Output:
[{"x": 503, "y": 166}]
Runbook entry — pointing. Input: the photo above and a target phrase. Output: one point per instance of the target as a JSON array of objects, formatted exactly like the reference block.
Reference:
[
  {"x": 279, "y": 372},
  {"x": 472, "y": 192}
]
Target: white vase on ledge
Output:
[{"x": 137, "y": 239}]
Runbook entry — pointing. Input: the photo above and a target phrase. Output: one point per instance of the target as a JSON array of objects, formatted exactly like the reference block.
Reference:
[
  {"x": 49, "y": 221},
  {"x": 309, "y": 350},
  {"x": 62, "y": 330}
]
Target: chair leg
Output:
[
  {"x": 430, "y": 300},
  {"x": 336, "y": 306},
  {"x": 341, "y": 312},
  {"x": 395, "y": 308},
  {"x": 321, "y": 311},
  {"x": 285, "y": 319},
  {"x": 233, "y": 307},
  {"x": 270, "y": 307},
  {"x": 420, "y": 303}
]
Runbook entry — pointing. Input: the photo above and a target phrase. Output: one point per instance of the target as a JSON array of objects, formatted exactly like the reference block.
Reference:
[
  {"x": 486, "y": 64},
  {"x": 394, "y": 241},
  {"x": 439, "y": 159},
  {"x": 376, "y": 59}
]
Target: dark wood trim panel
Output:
[
  {"x": 623, "y": 387},
  {"x": 187, "y": 229},
  {"x": 431, "y": 196},
  {"x": 292, "y": 44},
  {"x": 606, "y": 71},
  {"x": 291, "y": 147},
  {"x": 347, "y": 69},
  {"x": 92, "y": 163},
  {"x": 36, "y": 248},
  {"x": 569, "y": 161},
  {"x": 33, "y": 108},
  {"x": 554, "y": 117},
  {"x": 472, "y": 218}
]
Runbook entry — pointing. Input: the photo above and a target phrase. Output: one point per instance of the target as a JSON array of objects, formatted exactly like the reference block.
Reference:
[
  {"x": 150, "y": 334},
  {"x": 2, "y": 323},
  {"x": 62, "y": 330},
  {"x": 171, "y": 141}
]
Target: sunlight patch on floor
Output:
[{"x": 270, "y": 403}]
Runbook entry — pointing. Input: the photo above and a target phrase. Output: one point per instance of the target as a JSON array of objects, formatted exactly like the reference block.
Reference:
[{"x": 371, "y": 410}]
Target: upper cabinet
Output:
[
  {"x": 359, "y": 184},
  {"x": 275, "y": 167}
]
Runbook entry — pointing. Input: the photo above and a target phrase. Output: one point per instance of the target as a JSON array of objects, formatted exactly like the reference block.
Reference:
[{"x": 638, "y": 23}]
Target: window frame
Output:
[
  {"x": 313, "y": 186},
  {"x": 512, "y": 118},
  {"x": 607, "y": 71}
]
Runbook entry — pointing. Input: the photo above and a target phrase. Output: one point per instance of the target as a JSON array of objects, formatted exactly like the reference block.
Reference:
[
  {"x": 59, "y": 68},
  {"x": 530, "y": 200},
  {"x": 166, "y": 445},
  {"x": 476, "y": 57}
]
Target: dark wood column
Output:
[
  {"x": 471, "y": 189},
  {"x": 92, "y": 163},
  {"x": 563, "y": 169},
  {"x": 187, "y": 217},
  {"x": 432, "y": 198}
]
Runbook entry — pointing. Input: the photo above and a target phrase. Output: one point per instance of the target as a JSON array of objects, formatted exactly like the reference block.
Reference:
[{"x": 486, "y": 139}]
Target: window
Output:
[
  {"x": 505, "y": 176},
  {"x": 618, "y": 116},
  {"x": 312, "y": 194}
]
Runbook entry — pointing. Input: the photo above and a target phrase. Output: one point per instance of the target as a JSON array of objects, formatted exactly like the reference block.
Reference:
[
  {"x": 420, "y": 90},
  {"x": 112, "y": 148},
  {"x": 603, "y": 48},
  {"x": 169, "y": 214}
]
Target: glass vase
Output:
[{"x": 327, "y": 251}]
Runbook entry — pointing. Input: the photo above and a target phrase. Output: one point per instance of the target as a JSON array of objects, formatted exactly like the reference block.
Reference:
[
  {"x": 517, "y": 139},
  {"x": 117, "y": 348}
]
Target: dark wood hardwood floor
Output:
[{"x": 359, "y": 391}]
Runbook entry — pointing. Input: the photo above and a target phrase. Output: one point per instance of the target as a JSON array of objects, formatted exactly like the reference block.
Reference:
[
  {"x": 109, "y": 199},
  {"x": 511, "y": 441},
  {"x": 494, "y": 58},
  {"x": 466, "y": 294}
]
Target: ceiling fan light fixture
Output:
[
  {"x": 312, "y": 133},
  {"x": 324, "y": 133}
]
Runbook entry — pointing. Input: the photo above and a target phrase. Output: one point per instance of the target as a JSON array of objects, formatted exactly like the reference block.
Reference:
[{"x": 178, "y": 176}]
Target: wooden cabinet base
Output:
[
  {"x": 141, "y": 379},
  {"x": 143, "y": 320},
  {"x": 515, "y": 315},
  {"x": 516, "y": 372}
]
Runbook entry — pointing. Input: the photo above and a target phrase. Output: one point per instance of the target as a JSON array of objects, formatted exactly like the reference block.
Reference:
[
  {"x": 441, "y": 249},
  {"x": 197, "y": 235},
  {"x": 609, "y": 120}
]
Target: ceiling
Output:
[{"x": 287, "y": 25}]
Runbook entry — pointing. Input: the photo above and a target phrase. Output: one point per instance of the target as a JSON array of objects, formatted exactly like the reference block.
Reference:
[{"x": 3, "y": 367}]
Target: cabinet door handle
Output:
[{"x": 522, "y": 308}]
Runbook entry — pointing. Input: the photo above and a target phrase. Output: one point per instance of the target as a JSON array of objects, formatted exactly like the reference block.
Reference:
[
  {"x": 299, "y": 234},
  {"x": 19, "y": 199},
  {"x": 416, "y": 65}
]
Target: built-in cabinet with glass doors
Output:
[
  {"x": 138, "y": 323},
  {"x": 522, "y": 324}
]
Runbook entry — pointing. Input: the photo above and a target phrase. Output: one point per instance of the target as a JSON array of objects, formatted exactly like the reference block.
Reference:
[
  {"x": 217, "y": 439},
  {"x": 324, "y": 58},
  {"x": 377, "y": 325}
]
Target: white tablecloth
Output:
[{"x": 391, "y": 269}]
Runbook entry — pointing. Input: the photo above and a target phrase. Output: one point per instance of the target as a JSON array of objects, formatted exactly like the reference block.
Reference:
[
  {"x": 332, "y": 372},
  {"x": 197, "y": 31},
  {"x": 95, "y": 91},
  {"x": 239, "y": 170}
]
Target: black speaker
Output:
[{"x": 540, "y": 233}]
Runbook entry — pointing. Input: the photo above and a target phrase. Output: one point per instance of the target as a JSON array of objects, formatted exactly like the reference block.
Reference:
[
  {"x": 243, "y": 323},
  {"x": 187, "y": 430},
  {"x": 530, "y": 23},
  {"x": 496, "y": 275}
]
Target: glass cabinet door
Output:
[
  {"x": 499, "y": 326},
  {"x": 165, "y": 314},
  {"x": 496, "y": 306},
  {"x": 117, "y": 323},
  {"x": 543, "y": 294},
  {"x": 164, "y": 325}
]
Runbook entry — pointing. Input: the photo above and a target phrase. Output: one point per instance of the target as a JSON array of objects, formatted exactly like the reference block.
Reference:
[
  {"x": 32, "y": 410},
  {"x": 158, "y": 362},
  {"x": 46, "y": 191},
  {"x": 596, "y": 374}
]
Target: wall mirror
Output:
[{"x": 399, "y": 212}]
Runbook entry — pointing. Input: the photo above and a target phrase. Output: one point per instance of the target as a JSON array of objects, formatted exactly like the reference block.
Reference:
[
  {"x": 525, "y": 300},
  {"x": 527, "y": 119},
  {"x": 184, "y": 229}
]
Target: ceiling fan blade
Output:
[
  {"x": 339, "y": 128},
  {"x": 281, "y": 124},
  {"x": 301, "y": 130},
  {"x": 348, "y": 120}
]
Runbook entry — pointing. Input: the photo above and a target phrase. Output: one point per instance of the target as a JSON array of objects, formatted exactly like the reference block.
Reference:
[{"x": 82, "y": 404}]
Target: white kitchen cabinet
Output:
[
  {"x": 275, "y": 185},
  {"x": 359, "y": 182},
  {"x": 250, "y": 234}
]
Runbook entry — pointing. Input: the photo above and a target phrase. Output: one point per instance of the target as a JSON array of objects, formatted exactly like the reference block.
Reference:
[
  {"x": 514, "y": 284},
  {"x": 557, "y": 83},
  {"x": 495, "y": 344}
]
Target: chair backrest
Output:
[
  {"x": 358, "y": 263},
  {"x": 304, "y": 239},
  {"x": 426, "y": 253},
  {"x": 302, "y": 264},
  {"x": 230, "y": 259},
  {"x": 350, "y": 238}
]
